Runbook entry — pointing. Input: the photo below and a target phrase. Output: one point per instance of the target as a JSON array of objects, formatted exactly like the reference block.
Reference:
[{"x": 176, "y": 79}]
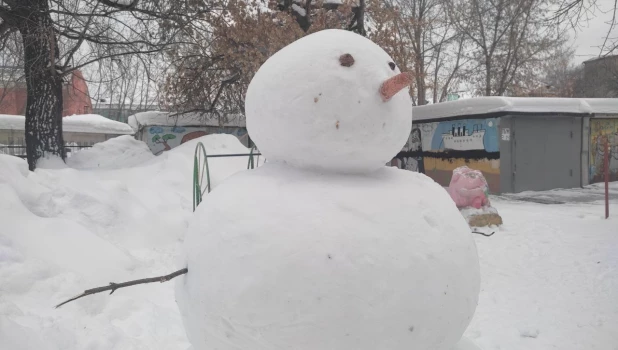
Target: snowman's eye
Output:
[
  {"x": 392, "y": 65},
  {"x": 346, "y": 60}
]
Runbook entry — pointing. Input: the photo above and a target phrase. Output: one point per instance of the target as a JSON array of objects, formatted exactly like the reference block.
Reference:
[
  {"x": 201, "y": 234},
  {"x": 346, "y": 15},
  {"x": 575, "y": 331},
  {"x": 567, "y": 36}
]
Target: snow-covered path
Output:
[
  {"x": 549, "y": 279},
  {"x": 549, "y": 275}
]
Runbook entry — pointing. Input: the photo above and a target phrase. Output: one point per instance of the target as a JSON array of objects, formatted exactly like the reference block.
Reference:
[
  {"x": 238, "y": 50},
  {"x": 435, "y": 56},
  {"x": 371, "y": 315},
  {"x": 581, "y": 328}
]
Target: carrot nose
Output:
[{"x": 393, "y": 85}]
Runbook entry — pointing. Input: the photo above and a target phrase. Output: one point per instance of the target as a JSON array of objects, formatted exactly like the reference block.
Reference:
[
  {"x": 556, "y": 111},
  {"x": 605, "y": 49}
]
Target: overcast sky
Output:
[{"x": 591, "y": 34}]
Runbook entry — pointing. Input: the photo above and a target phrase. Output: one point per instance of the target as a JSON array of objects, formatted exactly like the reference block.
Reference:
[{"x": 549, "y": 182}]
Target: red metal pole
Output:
[{"x": 606, "y": 166}]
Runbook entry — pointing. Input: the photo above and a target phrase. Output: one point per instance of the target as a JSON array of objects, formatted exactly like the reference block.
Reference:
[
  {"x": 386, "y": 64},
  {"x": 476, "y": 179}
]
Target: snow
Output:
[
  {"x": 549, "y": 278},
  {"x": 603, "y": 105},
  {"x": 283, "y": 258},
  {"x": 549, "y": 271},
  {"x": 158, "y": 118},
  {"x": 69, "y": 228},
  {"x": 318, "y": 249},
  {"x": 499, "y": 104},
  {"x": 470, "y": 211},
  {"x": 301, "y": 11},
  {"x": 304, "y": 90},
  {"x": 96, "y": 124},
  {"x": 86, "y": 123},
  {"x": 117, "y": 153}
]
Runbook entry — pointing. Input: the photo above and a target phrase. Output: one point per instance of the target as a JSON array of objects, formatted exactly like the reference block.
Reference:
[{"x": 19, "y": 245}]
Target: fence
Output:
[{"x": 20, "y": 150}]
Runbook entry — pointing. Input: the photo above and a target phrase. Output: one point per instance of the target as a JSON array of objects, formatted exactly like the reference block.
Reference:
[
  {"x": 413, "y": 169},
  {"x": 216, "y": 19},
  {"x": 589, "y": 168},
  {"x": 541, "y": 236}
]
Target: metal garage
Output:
[{"x": 520, "y": 144}]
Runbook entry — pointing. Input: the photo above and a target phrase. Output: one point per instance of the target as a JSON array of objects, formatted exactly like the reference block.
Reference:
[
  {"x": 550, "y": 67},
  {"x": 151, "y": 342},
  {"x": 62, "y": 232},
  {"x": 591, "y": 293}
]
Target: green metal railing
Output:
[{"x": 201, "y": 170}]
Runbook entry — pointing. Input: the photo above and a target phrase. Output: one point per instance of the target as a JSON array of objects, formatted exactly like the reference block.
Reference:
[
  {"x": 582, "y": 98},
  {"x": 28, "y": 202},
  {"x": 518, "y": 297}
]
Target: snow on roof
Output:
[
  {"x": 603, "y": 105},
  {"x": 499, "y": 104},
  {"x": 159, "y": 118},
  {"x": 86, "y": 123}
]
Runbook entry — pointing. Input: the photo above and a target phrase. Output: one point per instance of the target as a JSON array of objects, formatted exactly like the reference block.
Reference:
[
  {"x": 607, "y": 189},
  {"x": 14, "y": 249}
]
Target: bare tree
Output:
[
  {"x": 421, "y": 38},
  {"x": 59, "y": 36},
  {"x": 125, "y": 85},
  {"x": 11, "y": 64},
  {"x": 575, "y": 12},
  {"x": 211, "y": 77},
  {"x": 559, "y": 77},
  {"x": 509, "y": 39}
]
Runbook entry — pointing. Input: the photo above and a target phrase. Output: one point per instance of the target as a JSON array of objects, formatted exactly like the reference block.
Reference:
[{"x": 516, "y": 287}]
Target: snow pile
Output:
[
  {"x": 65, "y": 230},
  {"x": 86, "y": 123},
  {"x": 116, "y": 153}
]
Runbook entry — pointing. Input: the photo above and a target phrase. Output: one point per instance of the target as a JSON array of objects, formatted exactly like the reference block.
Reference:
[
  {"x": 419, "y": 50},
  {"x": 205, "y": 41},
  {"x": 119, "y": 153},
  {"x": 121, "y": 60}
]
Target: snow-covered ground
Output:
[
  {"x": 116, "y": 213},
  {"x": 549, "y": 278}
]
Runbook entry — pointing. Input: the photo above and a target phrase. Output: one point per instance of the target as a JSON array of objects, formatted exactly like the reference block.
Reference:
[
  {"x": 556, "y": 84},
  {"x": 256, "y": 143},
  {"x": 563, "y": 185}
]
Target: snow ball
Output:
[{"x": 316, "y": 104}]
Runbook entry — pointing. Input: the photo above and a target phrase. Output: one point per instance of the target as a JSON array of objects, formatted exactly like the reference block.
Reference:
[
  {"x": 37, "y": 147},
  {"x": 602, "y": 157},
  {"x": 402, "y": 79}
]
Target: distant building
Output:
[
  {"x": 601, "y": 77},
  {"x": 76, "y": 98}
]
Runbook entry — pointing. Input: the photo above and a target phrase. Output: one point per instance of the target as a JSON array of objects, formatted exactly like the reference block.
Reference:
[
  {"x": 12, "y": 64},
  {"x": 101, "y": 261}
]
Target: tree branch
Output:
[
  {"x": 4, "y": 28},
  {"x": 67, "y": 71},
  {"x": 113, "y": 286},
  {"x": 82, "y": 36},
  {"x": 121, "y": 6},
  {"x": 611, "y": 27},
  {"x": 5, "y": 13}
]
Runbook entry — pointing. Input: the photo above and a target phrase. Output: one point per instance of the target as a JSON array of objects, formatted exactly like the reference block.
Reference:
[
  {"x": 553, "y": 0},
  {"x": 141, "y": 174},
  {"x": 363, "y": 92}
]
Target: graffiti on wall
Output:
[
  {"x": 600, "y": 131},
  {"x": 164, "y": 138},
  {"x": 437, "y": 148}
]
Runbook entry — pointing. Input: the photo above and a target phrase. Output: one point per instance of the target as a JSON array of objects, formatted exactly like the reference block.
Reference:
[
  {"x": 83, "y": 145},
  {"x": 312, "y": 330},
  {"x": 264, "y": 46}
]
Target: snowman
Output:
[{"x": 324, "y": 247}]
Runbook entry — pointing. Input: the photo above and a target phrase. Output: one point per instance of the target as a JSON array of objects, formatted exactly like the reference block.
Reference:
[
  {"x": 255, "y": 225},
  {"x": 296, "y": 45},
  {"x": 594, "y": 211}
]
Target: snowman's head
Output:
[{"x": 331, "y": 101}]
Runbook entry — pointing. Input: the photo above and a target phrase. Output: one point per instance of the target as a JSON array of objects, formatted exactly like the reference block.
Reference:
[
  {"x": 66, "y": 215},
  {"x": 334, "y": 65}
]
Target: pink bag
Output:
[{"x": 468, "y": 188}]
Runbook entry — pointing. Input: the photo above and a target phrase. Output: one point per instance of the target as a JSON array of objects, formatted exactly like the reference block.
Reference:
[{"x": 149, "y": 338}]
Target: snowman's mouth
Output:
[{"x": 393, "y": 85}]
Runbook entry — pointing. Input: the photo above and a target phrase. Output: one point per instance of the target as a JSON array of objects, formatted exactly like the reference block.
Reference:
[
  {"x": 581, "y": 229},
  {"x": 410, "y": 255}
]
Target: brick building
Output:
[{"x": 13, "y": 96}]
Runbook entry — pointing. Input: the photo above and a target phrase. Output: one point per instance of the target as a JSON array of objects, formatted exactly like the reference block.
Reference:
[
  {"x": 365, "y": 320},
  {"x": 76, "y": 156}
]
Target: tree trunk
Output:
[
  {"x": 488, "y": 76},
  {"x": 43, "y": 83},
  {"x": 421, "y": 84}
]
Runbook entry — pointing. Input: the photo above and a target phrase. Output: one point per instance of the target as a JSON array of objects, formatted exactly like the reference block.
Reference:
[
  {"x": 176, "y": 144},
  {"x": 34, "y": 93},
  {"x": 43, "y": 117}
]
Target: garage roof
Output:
[{"x": 480, "y": 106}]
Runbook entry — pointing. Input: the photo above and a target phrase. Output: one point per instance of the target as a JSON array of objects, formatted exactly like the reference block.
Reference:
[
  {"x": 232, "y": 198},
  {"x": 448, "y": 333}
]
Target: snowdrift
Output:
[
  {"x": 549, "y": 279},
  {"x": 113, "y": 213}
]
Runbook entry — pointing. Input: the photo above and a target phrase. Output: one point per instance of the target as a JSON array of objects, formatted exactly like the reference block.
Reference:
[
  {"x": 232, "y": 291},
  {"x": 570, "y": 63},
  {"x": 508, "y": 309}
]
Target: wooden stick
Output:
[
  {"x": 113, "y": 286},
  {"x": 483, "y": 234}
]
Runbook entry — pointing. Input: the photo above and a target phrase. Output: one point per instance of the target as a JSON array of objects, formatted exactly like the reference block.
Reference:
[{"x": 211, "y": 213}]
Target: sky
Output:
[{"x": 591, "y": 33}]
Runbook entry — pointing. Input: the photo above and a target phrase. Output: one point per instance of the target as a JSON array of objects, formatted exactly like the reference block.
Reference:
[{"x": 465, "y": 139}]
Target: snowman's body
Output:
[{"x": 324, "y": 248}]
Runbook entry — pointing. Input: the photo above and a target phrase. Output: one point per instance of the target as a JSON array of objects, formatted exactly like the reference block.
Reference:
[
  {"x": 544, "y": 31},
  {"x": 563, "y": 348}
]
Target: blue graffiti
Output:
[
  {"x": 156, "y": 129},
  {"x": 178, "y": 129},
  {"x": 450, "y": 134}
]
